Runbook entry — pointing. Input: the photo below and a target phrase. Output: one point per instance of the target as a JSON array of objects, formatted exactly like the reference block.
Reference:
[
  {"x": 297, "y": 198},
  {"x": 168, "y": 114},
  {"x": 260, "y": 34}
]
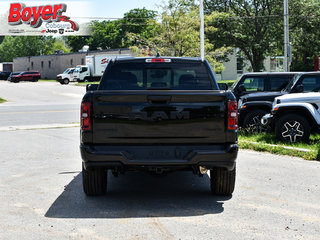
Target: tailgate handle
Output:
[{"x": 159, "y": 99}]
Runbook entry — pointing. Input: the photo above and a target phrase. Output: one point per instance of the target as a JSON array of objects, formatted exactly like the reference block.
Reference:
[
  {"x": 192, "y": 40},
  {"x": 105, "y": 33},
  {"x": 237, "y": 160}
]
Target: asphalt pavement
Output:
[
  {"x": 39, "y": 103},
  {"x": 41, "y": 196}
]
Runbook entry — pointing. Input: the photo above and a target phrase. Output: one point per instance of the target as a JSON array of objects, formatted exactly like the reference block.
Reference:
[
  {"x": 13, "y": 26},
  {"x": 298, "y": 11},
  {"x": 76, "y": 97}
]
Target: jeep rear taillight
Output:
[
  {"x": 232, "y": 115},
  {"x": 85, "y": 116}
]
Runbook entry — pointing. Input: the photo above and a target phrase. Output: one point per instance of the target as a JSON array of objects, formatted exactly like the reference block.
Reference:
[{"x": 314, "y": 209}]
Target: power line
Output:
[{"x": 232, "y": 17}]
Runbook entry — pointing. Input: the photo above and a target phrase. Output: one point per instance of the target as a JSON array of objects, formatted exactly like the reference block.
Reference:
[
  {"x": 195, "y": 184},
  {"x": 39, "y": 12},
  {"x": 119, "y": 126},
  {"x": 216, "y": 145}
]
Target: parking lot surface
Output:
[{"x": 276, "y": 197}]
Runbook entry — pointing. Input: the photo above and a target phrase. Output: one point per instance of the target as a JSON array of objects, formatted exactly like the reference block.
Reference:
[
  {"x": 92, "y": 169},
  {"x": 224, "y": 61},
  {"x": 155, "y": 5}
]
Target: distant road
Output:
[{"x": 39, "y": 103}]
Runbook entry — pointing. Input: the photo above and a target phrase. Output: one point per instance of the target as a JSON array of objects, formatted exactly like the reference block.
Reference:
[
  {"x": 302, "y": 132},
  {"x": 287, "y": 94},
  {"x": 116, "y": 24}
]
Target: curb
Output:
[{"x": 274, "y": 145}]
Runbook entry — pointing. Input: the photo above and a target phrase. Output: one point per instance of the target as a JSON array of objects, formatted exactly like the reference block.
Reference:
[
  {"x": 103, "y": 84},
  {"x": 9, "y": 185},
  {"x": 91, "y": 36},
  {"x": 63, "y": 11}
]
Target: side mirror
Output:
[
  {"x": 241, "y": 88},
  {"x": 92, "y": 87},
  {"x": 299, "y": 88},
  {"x": 223, "y": 86}
]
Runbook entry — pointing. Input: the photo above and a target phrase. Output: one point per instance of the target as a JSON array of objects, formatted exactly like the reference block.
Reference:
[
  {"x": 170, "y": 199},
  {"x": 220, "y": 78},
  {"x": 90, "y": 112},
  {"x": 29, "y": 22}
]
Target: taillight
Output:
[
  {"x": 85, "y": 116},
  {"x": 232, "y": 115},
  {"x": 157, "y": 60}
]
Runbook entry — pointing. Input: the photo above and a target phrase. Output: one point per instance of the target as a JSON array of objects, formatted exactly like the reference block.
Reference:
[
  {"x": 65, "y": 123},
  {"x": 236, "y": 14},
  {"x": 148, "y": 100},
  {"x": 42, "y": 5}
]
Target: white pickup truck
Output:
[{"x": 294, "y": 116}]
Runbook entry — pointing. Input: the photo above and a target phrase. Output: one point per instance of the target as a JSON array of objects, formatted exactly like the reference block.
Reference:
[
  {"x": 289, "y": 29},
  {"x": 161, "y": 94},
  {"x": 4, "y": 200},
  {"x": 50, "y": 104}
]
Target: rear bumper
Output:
[{"x": 171, "y": 156}]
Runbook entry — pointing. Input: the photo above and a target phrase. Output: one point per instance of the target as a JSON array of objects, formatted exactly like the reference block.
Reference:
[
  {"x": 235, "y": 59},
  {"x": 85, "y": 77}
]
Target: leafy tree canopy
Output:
[
  {"x": 22, "y": 46},
  {"x": 177, "y": 34},
  {"x": 247, "y": 25}
]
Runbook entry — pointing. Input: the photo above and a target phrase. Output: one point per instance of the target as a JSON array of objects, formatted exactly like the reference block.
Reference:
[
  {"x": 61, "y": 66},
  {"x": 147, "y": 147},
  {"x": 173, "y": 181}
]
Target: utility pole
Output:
[
  {"x": 201, "y": 30},
  {"x": 286, "y": 37}
]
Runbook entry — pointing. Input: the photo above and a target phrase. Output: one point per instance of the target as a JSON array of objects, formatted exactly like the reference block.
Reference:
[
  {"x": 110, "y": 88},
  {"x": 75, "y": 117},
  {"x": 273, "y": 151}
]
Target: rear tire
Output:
[
  {"x": 222, "y": 181},
  {"x": 252, "y": 121},
  {"x": 94, "y": 181},
  {"x": 292, "y": 128},
  {"x": 66, "y": 81}
]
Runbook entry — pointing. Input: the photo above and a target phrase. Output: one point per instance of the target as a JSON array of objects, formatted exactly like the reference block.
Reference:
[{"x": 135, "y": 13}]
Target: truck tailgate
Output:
[{"x": 149, "y": 117}]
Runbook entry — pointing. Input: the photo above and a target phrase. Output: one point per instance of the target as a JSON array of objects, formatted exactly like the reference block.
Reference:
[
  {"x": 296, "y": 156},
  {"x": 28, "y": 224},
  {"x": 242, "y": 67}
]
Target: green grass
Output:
[
  {"x": 228, "y": 82},
  {"x": 47, "y": 80},
  {"x": 86, "y": 83},
  {"x": 264, "y": 140},
  {"x": 2, "y": 100}
]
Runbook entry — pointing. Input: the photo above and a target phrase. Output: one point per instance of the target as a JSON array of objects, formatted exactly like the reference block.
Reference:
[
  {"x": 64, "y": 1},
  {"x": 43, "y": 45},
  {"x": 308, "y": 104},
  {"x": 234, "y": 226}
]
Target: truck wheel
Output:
[
  {"x": 66, "y": 81},
  {"x": 222, "y": 181},
  {"x": 292, "y": 128},
  {"x": 252, "y": 121},
  {"x": 94, "y": 181},
  {"x": 86, "y": 79}
]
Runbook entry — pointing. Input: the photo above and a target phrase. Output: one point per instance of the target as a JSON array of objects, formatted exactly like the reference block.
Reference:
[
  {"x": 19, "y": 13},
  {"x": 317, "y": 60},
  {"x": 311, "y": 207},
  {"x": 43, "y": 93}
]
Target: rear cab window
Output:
[{"x": 144, "y": 75}]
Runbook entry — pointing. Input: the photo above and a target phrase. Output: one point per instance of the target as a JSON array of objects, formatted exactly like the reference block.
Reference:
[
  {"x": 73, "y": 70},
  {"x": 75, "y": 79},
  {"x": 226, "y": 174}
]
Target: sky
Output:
[{"x": 116, "y": 8}]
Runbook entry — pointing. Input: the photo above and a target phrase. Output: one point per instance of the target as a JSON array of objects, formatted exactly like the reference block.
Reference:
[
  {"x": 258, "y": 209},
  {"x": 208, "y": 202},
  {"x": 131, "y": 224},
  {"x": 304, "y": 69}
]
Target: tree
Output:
[
  {"x": 177, "y": 34},
  {"x": 76, "y": 42},
  {"x": 22, "y": 46},
  {"x": 304, "y": 33},
  {"x": 137, "y": 21},
  {"x": 115, "y": 34},
  {"x": 251, "y": 25},
  {"x": 57, "y": 44},
  {"x": 105, "y": 35}
]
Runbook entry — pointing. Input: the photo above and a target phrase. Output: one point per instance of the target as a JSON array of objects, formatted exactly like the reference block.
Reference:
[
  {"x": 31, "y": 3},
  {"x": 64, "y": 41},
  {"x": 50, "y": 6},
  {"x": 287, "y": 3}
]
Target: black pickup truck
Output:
[{"x": 158, "y": 115}]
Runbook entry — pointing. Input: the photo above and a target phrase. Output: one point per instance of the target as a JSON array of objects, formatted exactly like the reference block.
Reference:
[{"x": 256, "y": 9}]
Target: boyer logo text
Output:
[{"x": 36, "y": 15}]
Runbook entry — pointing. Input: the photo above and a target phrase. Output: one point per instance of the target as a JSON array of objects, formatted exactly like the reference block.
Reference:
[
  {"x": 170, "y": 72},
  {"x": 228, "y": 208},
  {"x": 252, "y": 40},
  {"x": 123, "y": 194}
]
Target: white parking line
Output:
[
  {"x": 35, "y": 127},
  {"x": 72, "y": 95}
]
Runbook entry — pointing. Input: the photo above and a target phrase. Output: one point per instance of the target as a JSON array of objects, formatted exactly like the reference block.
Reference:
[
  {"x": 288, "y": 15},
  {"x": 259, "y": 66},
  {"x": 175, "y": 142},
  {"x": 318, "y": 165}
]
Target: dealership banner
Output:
[{"x": 41, "y": 18}]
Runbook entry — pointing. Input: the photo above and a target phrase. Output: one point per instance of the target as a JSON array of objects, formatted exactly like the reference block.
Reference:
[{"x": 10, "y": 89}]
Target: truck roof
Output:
[
  {"x": 270, "y": 73},
  {"x": 143, "y": 59}
]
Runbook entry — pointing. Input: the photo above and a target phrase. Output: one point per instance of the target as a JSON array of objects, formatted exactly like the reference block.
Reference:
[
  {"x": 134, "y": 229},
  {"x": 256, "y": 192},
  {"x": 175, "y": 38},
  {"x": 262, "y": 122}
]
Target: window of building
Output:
[
  {"x": 41, "y": 64},
  {"x": 71, "y": 62},
  {"x": 239, "y": 65},
  {"x": 32, "y": 65},
  {"x": 49, "y": 64},
  {"x": 82, "y": 61}
]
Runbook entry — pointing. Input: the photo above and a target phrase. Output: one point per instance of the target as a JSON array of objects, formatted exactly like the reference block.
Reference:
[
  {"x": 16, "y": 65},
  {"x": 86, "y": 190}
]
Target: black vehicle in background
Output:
[
  {"x": 4, "y": 75},
  {"x": 261, "y": 82},
  {"x": 158, "y": 115},
  {"x": 252, "y": 107}
]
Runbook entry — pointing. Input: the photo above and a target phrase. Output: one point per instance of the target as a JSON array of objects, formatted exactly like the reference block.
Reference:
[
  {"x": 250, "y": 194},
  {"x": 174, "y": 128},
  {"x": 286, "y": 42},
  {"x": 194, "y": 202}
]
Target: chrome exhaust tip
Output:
[{"x": 203, "y": 170}]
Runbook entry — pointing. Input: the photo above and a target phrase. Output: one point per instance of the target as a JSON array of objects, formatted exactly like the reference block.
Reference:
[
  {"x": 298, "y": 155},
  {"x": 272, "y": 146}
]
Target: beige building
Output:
[
  {"x": 237, "y": 66},
  {"x": 50, "y": 66}
]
